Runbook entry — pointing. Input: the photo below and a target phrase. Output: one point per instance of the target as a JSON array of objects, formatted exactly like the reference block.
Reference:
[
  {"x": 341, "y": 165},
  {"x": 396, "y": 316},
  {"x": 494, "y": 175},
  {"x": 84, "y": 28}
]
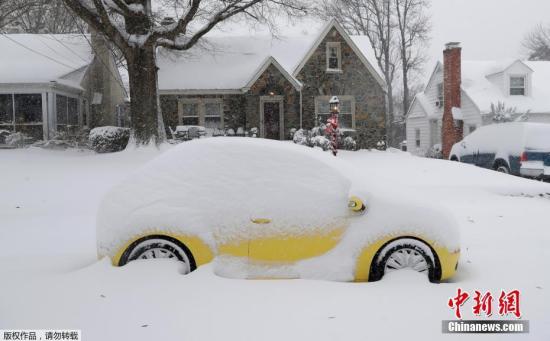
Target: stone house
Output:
[
  {"x": 274, "y": 85},
  {"x": 53, "y": 83},
  {"x": 458, "y": 97}
]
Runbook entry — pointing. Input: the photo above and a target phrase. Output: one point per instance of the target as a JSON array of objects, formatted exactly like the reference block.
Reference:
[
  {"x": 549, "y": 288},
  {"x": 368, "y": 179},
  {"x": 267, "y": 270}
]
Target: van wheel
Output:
[
  {"x": 501, "y": 167},
  {"x": 159, "y": 246},
  {"x": 454, "y": 158}
]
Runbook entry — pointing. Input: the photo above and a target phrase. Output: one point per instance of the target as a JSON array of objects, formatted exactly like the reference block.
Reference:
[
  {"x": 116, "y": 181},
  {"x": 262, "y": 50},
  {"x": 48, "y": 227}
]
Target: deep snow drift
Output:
[{"x": 50, "y": 277}]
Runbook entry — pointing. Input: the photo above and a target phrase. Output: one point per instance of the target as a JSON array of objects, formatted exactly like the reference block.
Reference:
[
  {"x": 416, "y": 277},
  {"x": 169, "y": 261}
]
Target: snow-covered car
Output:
[
  {"x": 518, "y": 148},
  {"x": 266, "y": 209}
]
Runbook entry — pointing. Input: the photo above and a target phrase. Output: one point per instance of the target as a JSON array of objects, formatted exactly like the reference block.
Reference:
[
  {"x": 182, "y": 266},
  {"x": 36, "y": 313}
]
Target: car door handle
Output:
[{"x": 261, "y": 221}]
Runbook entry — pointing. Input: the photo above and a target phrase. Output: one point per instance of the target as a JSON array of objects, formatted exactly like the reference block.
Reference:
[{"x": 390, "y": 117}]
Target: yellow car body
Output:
[
  {"x": 289, "y": 250},
  {"x": 297, "y": 211}
]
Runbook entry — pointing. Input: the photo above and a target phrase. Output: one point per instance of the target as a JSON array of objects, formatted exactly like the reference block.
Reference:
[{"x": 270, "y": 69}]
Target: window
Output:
[
  {"x": 440, "y": 96},
  {"x": 417, "y": 137},
  {"x": 347, "y": 110},
  {"x": 66, "y": 113},
  {"x": 6, "y": 111},
  {"x": 213, "y": 115},
  {"x": 203, "y": 112},
  {"x": 22, "y": 113},
  {"x": 190, "y": 114},
  {"x": 28, "y": 108},
  {"x": 334, "y": 57},
  {"x": 517, "y": 86}
]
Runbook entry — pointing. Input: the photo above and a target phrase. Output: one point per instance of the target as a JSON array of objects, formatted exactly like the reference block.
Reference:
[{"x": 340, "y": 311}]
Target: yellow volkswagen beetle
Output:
[{"x": 265, "y": 209}]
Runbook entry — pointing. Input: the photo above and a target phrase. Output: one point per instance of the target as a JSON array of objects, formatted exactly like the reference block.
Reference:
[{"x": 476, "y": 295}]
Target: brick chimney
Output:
[{"x": 451, "y": 130}]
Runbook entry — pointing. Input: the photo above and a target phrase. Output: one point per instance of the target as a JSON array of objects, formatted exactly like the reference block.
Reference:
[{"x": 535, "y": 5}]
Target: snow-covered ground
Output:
[{"x": 50, "y": 277}]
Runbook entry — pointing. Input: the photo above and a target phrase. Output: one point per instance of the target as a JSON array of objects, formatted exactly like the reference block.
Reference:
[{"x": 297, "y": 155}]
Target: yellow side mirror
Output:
[{"x": 356, "y": 205}]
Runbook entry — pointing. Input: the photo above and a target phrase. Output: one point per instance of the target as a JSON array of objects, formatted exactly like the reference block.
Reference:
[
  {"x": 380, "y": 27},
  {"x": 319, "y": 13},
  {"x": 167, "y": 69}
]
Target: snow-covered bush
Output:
[
  {"x": 321, "y": 141},
  {"x": 501, "y": 113},
  {"x": 301, "y": 137},
  {"x": 292, "y": 132},
  {"x": 3, "y": 134},
  {"x": 17, "y": 139},
  {"x": 435, "y": 152},
  {"x": 109, "y": 139},
  {"x": 62, "y": 140},
  {"x": 254, "y": 132},
  {"x": 317, "y": 137}
]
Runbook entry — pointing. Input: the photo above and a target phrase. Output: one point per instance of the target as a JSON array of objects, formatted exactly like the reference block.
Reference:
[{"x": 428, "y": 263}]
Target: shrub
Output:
[
  {"x": 435, "y": 152},
  {"x": 317, "y": 137},
  {"x": 17, "y": 139},
  {"x": 109, "y": 139}
]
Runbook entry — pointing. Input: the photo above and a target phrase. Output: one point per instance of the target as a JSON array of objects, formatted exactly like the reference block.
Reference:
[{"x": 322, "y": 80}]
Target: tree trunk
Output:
[
  {"x": 389, "y": 116},
  {"x": 405, "y": 86},
  {"x": 144, "y": 109}
]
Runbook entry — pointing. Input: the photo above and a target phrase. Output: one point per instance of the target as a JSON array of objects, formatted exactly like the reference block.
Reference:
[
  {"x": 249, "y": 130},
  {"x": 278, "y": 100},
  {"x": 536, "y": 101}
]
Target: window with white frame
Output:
[
  {"x": 517, "y": 86},
  {"x": 203, "y": 112},
  {"x": 334, "y": 56},
  {"x": 440, "y": 96},
  {"x": 347, "y": 110},
  {"x": 190, "y": 114},
  {"x": 22, "y": 113},
  {"x": 67, "y": 114},
  {"x": 417, "y": 137}
]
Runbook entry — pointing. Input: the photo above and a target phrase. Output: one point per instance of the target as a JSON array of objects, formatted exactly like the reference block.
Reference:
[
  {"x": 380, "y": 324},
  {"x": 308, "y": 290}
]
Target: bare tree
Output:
[
  {"x": 135, "y": 30},
  {"x": 537, "y": 43},
  {"x": 10, "y": 10},
  {"x": 413, "y": 27},
  {"x": 47, "y": 16},
  {"x": 372, "y": 18}
]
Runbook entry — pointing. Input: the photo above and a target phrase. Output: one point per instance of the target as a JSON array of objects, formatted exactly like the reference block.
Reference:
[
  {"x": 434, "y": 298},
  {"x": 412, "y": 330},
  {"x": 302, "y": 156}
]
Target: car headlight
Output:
[{"x": 356, "y": 205}]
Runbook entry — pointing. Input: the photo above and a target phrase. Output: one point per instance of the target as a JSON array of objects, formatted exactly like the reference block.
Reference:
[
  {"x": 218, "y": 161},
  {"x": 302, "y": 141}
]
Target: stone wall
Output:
[
  {"x": 243, "y": 110},
  {"x": 355, "y": 80},
  {"x": 273, "y": 83}
]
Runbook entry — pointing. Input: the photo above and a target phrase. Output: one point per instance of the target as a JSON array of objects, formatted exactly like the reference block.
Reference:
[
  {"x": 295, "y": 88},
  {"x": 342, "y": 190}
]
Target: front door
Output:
[{"x": 272, "y": 120}]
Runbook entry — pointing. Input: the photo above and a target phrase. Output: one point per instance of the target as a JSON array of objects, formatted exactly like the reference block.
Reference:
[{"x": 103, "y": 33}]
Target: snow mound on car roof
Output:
[{"x": 219, "y": 185}]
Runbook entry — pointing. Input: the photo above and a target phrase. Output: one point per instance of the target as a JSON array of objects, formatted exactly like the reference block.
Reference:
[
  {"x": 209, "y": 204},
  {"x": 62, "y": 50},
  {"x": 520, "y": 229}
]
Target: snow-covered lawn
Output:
[{"x": 50, "y": 277}]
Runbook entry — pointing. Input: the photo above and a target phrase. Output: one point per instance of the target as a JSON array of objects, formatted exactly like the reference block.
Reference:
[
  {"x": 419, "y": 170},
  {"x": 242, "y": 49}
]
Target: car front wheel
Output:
[
  {"x": 159, "y": 247},
  {"x": 406, "y": 253}
]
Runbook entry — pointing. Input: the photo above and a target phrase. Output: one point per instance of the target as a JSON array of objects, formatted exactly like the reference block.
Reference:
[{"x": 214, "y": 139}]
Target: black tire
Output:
[
  {"x": 501, "y": 166},
  {"x": 381, "y": 257},
  {"x": 171, "y": 246},
  {"x": 454, "y": 158}
]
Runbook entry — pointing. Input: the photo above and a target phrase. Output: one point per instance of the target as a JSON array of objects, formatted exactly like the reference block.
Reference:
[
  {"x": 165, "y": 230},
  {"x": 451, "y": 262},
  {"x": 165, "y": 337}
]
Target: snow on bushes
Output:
[
  {"x": 317, "y": 137},
  {"x": 109, "y": 139}
]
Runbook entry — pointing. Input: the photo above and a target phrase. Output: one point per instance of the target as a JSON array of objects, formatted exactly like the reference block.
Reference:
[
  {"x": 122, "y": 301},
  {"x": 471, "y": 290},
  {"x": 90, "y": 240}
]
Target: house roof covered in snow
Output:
[
  {"x": 231, "y": 62},
  {"x": 487, "y": 82},
  {"x": 42, "y": 58},
  {"x": 480, "y": 82}
]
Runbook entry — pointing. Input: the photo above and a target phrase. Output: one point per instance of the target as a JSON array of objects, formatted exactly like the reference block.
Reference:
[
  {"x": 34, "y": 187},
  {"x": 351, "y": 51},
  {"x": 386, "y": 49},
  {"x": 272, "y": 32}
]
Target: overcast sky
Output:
[{"x": 488, "y": 29}]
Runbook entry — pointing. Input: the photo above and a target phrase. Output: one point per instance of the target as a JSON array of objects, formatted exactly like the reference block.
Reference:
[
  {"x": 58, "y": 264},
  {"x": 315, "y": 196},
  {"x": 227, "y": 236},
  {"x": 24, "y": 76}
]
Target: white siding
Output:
[
  {"x": 431, "y": 90},
  {"x": 472, "y": 116},
  {"x": 421, "y": 123}
]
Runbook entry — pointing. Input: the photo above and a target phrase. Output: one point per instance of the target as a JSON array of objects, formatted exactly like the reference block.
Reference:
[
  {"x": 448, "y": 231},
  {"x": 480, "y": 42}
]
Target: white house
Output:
[
  {"x": 57, "y": 83},
  {"x": 523, "y": 85}
]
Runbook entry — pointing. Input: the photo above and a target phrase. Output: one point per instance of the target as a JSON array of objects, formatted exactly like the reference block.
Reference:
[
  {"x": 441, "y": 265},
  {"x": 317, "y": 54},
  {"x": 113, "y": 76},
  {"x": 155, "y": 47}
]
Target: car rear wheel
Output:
[
  {"x": 501, "y": 167},
  {"x": 406, "y": 253},
  {"x": 159, "y": 247}
]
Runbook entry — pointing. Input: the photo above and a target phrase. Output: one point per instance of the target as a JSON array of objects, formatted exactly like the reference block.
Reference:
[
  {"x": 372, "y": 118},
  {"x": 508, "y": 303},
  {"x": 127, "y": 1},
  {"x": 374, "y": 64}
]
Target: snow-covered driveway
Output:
[{"x": 50, "y": 278}]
